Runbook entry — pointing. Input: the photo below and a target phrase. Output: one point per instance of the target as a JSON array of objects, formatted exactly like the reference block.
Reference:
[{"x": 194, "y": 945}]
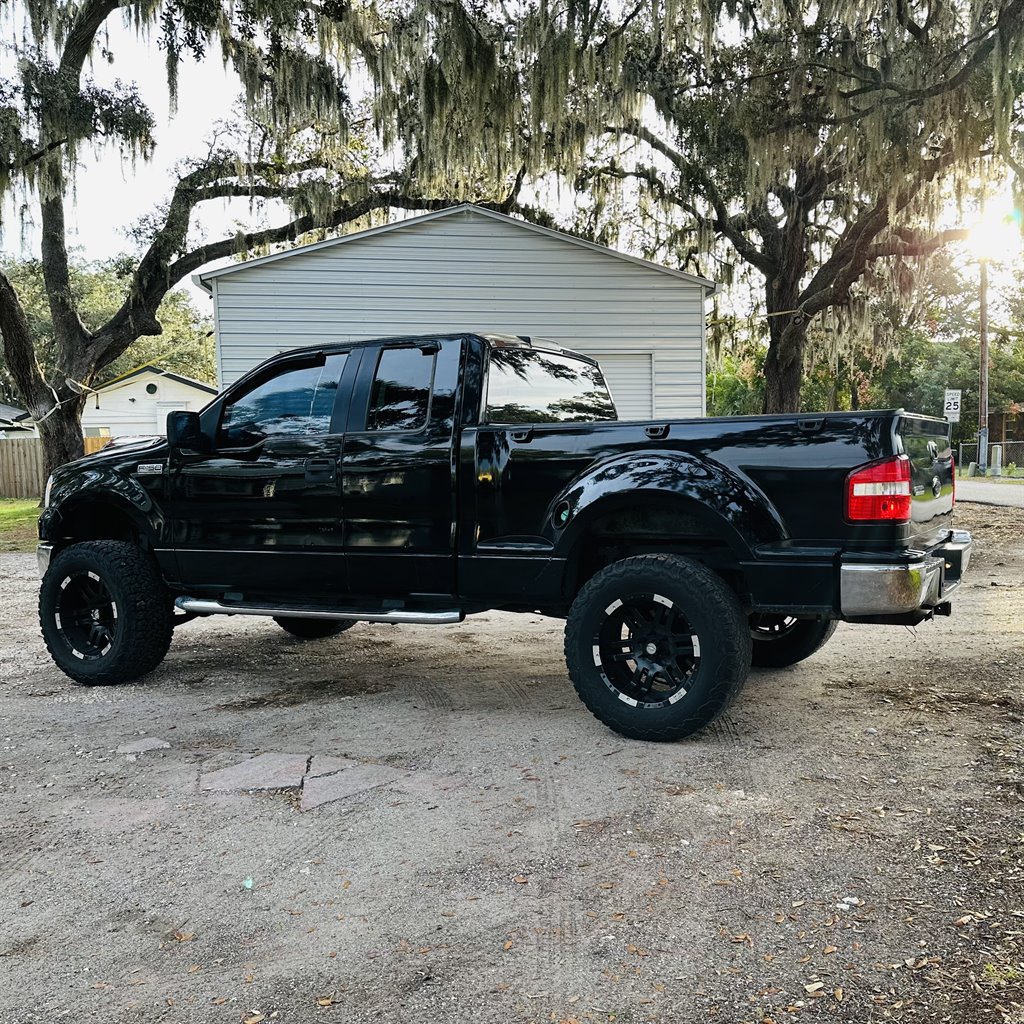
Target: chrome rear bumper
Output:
[{"x": 921, "y": 583}]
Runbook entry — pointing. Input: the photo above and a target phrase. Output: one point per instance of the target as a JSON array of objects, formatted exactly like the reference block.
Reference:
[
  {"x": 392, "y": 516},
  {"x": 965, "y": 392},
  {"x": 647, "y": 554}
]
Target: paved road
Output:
[{"x": 991, "y": 493}]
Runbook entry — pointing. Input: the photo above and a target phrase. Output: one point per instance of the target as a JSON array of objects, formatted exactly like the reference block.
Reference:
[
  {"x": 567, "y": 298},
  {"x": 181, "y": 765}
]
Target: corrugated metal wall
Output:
[{"x": 471, "y": 272}]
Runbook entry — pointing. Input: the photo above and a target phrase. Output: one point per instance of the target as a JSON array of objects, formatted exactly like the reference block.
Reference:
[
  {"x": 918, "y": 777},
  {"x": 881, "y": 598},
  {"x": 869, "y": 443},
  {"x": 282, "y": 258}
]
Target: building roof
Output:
[
  {"x": 11, "y": 414},
  {"x": 203, "y": 279},
  {"x": 158, "y": 371}
]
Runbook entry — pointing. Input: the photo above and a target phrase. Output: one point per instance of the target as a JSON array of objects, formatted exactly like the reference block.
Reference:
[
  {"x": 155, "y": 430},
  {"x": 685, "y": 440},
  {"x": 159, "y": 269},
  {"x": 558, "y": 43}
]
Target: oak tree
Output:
[{"x": 820, "y": 140}]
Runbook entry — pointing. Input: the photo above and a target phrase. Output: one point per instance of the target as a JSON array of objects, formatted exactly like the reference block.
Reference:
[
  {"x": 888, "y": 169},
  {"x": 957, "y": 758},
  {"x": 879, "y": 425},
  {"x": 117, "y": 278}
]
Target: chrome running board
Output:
[{"x": 207, "y": 606}]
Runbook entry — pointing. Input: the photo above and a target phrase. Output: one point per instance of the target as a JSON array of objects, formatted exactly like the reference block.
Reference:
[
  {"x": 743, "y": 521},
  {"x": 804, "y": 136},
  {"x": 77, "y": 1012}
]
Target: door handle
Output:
[
  {"x": 522, "y": 436},
  {"x": 320, "y": 470}
]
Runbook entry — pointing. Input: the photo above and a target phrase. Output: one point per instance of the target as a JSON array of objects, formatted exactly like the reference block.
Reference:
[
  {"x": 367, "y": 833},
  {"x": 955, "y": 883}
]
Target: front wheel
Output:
[
  {"x": 313, "y": 629},
  {"x": 657, "y": 646},
  {"x": 104, "y": 612},
  {"x": 781, "y": 640}
]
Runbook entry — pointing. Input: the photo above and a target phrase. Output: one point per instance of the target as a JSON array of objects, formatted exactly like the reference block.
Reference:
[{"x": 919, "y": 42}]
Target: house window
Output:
[{"x": 97, "y": 431}]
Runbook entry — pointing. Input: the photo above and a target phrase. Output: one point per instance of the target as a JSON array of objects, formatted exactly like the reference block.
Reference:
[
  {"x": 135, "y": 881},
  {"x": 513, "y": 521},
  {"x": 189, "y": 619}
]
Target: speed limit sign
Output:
[{"x": 951, "y": 410}]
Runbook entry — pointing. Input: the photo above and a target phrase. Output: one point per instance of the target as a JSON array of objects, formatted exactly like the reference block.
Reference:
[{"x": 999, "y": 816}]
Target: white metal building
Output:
[
  {"x": 139, "y": 403},
  {"x": 470, "y": 269}
]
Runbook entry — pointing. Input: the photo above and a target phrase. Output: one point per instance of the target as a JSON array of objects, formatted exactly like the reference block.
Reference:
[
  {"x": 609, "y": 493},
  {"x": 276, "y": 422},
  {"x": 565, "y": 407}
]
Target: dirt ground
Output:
[{"x": 424, "y": 825}]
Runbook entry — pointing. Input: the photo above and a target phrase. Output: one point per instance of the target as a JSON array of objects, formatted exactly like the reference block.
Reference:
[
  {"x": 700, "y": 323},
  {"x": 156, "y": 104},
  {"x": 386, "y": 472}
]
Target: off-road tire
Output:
[
  {"x": 313, "y": 629},
  {"x": 705, "y": 605},
  {"x": 141, "y": 632},
  {"x": 792, "y": 644}
]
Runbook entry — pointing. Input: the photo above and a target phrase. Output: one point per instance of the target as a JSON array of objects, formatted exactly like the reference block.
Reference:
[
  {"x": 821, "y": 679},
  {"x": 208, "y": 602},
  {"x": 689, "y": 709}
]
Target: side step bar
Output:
[{"x": 206, "y": 606}]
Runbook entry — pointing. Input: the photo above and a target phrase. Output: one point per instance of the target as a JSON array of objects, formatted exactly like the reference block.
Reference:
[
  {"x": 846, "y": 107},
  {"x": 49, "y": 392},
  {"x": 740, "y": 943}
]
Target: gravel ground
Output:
[{"x": 424, "y": 825}]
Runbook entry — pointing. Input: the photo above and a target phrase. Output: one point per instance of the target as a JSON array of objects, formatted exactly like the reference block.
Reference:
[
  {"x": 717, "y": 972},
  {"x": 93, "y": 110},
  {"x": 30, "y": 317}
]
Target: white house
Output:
[
  {"x": 139, "y": 402},
  {"x": 470, "y": 269}
]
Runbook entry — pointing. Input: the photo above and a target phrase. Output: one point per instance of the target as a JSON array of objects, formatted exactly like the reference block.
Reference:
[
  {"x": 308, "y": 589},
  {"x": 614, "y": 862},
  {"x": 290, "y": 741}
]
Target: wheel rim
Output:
[
  {"x": 772, "y": 627},
  {"x": 646, "y": 650},
  {"x": 86, "y": 615}
]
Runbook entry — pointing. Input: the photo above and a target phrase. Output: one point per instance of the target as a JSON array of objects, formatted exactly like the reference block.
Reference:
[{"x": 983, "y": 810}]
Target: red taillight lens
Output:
[{"x": 880, "y": 492}]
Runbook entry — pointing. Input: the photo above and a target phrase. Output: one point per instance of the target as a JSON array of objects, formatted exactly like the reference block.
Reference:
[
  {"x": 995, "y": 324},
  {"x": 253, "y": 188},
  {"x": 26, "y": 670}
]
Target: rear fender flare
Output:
[{"x": 725, "y": 502}]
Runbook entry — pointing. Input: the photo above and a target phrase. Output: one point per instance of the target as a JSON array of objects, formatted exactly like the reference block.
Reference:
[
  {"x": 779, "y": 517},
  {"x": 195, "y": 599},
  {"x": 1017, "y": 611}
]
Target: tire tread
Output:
[
  {"x": 715, "y": 594},
  {"x": 143, "y": 612}
]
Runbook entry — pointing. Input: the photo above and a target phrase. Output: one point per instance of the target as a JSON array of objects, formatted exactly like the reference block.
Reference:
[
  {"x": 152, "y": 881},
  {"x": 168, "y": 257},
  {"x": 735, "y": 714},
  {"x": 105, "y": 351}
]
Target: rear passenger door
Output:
[{"x": 398, "y": 471}]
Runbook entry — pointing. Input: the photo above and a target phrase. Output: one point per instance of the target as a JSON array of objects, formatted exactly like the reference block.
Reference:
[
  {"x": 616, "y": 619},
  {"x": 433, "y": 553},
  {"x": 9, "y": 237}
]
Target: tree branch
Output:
[
  {"x": 724, "y": 222},
  {"x": 19, "y": 353},
  {"x": 79, "y": 41},
  {"x": 157, "y": 274},
  {"x": 909, "y": 247},
  {"x": 67, "y": 324}
]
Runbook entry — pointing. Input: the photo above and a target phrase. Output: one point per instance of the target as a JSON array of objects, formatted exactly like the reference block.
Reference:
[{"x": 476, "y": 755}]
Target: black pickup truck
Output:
[{"x": 421, "y": 479}]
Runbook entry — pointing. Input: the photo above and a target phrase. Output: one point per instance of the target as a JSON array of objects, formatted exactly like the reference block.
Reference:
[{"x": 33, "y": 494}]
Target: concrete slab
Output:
[
  {"x": 326, "y": 789},
  {"x": 264, "y": 771},
  {"x": 325, "y": 764}
]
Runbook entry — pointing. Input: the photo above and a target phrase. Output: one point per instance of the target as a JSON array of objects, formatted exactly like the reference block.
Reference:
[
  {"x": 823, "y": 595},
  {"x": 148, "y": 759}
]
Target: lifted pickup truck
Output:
[{"x": 421, "y": 479}]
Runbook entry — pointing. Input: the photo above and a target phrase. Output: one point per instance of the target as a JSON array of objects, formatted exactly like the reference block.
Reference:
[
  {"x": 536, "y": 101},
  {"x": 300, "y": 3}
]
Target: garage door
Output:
[{"x": 631, "y": 379}]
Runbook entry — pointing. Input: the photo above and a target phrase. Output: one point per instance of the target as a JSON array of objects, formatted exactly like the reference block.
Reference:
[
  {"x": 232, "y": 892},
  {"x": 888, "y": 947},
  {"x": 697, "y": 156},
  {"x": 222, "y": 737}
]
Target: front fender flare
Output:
[{"x": 98, "y": 488}]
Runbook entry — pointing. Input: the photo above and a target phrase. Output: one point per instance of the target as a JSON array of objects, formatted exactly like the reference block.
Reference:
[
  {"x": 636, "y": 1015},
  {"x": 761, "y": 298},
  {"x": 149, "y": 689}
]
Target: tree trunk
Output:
[
  {"x": 61, "y": 434},
  {"x": 784, "y": 364}
]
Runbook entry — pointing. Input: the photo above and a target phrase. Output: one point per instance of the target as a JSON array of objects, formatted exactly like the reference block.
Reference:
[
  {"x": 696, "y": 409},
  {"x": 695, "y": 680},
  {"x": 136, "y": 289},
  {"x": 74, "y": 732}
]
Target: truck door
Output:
[
  {"x": 262, "y": 513},
  {"x": 398, "y": 471}
]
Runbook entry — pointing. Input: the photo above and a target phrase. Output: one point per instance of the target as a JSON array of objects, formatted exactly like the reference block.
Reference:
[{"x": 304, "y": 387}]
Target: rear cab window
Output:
[
  {"x": 400, "y": 396},
  {"x": 526, "y": 385}
]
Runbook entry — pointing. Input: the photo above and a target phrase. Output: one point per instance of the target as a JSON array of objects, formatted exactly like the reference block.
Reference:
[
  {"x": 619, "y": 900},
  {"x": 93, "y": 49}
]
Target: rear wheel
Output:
[
  {"x": 104, "y": 612},
  {"x": 781, "y": 640},
  {"x": 313, "y": 629},
  {"x": 657, "y": 646}
]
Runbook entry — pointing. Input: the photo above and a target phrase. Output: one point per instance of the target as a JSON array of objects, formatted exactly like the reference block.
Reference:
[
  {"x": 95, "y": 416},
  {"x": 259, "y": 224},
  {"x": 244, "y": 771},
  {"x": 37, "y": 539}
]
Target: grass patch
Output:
[{"x": 18, "y": 523}]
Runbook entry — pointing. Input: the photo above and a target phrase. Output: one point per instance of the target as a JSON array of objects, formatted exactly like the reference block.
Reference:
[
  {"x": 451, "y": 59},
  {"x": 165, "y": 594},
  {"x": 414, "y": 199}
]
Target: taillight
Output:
[{"x": 880, "y": 492}]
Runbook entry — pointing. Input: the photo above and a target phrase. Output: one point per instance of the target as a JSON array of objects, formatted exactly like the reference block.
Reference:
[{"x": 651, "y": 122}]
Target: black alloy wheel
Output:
[
  {"x": 86, "y": 615},
  {"x": 646, "y": 650},
  {"x": 782, "y": 640},
  {"x": 657, "y": 646},
  {"x": 105, "y": 612}
]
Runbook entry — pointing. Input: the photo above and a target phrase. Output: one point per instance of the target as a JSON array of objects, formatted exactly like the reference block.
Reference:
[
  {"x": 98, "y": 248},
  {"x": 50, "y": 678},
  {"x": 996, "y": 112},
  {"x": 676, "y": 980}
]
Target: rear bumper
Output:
[{"x": 916, "y": 586}]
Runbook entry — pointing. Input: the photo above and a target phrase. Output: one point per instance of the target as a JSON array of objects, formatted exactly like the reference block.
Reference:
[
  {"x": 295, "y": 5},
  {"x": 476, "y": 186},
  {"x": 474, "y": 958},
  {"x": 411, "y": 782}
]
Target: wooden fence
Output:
[{"x": 21, "y": 465}]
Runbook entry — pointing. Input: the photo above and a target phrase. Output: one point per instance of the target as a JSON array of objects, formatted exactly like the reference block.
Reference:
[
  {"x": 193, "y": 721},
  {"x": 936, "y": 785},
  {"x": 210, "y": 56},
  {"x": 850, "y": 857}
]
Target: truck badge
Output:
[
  {"x": 268, "y": 489},
  {"x": 149, "y": 469}
]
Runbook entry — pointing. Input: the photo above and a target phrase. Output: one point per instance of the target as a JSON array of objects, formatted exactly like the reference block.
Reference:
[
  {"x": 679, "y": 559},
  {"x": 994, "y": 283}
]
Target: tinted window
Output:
[
  {"x": 293, "y": 403},
  {"x": 525, "y": 386},
  {"x": 401, "y": 390}
]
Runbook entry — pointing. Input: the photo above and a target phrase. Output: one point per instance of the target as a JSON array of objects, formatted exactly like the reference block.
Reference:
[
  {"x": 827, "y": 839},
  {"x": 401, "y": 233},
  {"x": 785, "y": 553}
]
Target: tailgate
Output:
[{"x": 925, "y": 440}]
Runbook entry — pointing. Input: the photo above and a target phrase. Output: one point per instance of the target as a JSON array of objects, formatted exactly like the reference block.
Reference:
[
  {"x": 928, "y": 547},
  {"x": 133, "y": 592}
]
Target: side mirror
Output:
[{"x": 183, "y": 430}]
